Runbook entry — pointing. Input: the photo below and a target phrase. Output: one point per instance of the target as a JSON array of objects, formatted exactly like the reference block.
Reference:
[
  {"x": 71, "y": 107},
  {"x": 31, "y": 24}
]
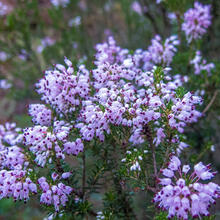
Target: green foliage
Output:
[
  {"x": 161, "y": 216},
  {"x": 158, "y": 75},
  {"x": 177, "y": 6},
  {"x": 180, "y": 92}
]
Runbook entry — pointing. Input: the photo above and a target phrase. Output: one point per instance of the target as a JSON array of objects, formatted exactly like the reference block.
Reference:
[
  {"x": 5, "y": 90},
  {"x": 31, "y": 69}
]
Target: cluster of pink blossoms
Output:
[
  {"x": 16, "y": 184},
  {"x": 158, "y": 53},
  {"x": 162, "y": 54},
  {"x": 55, "y": 194},
  {"x": 196, "y": 21},
  {"x": 4, "y": 9},
  {"x": 201, "y": 64},
  {"x": 133, "y": 104},
  {"x": 11, "y": 155},
  {"x": 183, "y": 194},
  {"x": 45, "y": 42},
  {"x": 14, "y": 174},
  {"x": 125, "y": 94},
  {"x": 62, "y": 88},
  {"x": 44, "y": 144},
  {"x": 40, "y": 114}
]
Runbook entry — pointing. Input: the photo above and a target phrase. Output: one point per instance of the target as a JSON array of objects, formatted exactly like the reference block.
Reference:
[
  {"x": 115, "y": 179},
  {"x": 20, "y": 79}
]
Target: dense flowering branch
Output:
[{"x": 125, "y": 100}]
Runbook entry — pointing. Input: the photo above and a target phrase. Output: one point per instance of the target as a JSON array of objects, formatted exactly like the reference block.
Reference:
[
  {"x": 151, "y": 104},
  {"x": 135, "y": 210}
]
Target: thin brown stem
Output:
[
  {"x": 84, "y": 174},
  {"x": 166, "y": 22},
  {"x": 178, "y": 16},
  {"x": 148, "y": 15},
  {"x": 211, "y": 102},
  {"x": 167, "y": 151},
  {"x": 154, "y": 160},
  {"x": 148, "y": 134},
  {"x": 59, "y": 166},
  {"x": 152, "y": 189}
]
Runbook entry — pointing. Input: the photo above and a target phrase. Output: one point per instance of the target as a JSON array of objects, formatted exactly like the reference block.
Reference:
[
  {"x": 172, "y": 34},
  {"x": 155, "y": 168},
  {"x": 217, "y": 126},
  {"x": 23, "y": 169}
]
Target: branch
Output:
[
  {"x": 84, "y": 174},
  {"x": 59, "y": 166},
  {"x": 152, "y": 189},
  {"x": 154, "y": 160},
  {"x": 178, "y": 16},
  {"x": 165, "y": 20},
  {"x": 150, "y": 17},
  {"x": 167, "y": 153},
  {"x": 211, "y": 102},
  {"x": 148, "y": 134}
]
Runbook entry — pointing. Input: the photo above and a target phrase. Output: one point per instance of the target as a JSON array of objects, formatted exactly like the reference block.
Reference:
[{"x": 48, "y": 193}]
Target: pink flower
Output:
[
  {"x": 174, "y": 163},
  {"x": 167, "y": 173},
  {"x": 136, "y": 7}
]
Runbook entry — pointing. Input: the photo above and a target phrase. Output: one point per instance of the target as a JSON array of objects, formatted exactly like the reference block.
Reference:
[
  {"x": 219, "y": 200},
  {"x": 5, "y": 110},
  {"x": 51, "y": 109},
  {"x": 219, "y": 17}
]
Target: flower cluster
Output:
[
  {"x": 4, "y": 9},
  {"x": 201, "y": 64},
  {"x": 162, "y": 54},
  {"x": 74, "y": 147},
  {"x": 62, "y": 89},
  {"x": 44, "y": 144},
  {"x": 183, "y": 194},
  {"x": 40, "y": 114},
  {"x": 158, "y": 53},
  {"x": 11, "y": 155},
  {"x": 15, "y": 184},
  {"x": 132, "y": 107},
  {"x": 184, "y": 111},
  {"x": 196, "y": 21},
  {"x": 55, "y": 194},
  {"x": 14, "y": 174},
  {"x": 109, "y": 52},
  {"x": 126, "y": 94},
  {"x": 134, "y": 159},
  {"x": 45, "y": 42}
]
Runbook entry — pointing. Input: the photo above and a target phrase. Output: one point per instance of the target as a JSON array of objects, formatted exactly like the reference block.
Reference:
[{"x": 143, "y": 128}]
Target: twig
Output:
[
  {"x": 127, "y": 209},
  {"x": 154, "y": 160},
  {"x": 165, "y": 20},
  {"x": 211, "y": 102},
  {"x": 166, "y": 157},
  {"x": 152, "y": 189},
  {"x": 84, "y": 174},
  {"x": 179, "y": 25},
  {"x": 150, "y": 17},
  {"x": 167, "y": 150},
  {"x": 150, "y": 140},
  {"x": 122, "y": 195},
  {"x": 59, "y": 166},
  {"x": 96, "y": 179}
]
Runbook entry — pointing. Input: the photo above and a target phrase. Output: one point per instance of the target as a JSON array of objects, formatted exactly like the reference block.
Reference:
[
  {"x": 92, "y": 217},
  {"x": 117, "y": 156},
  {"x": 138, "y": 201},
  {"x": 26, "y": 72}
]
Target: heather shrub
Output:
[{"x": 112, "y": 121}]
